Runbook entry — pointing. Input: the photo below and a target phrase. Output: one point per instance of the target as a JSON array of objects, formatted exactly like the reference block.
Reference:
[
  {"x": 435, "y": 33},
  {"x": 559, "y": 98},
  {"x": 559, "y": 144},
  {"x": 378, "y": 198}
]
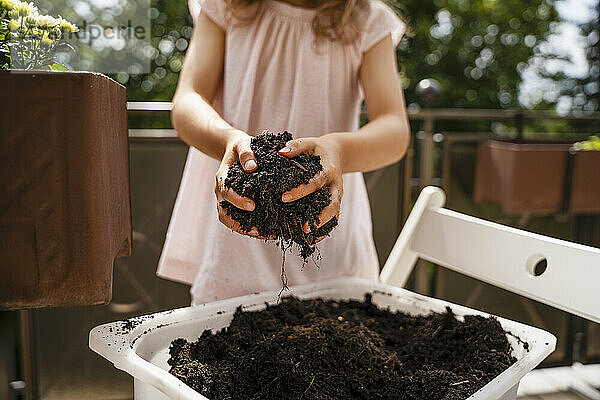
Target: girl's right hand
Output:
[{"x": 237, "y": 149}]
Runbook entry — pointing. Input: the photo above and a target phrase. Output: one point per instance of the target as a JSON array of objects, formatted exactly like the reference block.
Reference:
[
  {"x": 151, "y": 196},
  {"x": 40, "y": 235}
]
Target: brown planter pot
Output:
[
  {"x": 522, "y": 178},
  {"x": 65, "y": 212},
  {"x": 585, "y": 186}
]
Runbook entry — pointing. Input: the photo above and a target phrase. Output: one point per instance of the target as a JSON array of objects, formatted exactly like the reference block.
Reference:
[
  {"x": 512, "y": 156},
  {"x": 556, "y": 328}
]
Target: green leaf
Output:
[
  {"x": 65, "y": 46},
  {"x": 58, "y": 67}
]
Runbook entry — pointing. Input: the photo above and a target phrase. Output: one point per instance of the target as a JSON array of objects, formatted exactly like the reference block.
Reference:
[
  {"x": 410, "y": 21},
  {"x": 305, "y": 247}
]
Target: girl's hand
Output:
[
  {"x": 238, "y": 148},
  {"x": 331, "y": 175}
]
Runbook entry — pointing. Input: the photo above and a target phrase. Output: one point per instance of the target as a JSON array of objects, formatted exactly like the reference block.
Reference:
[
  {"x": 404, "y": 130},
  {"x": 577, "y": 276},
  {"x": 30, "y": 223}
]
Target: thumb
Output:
[
  {"x": 246, "y": 156},
  {"x": 294, "y": 148}
]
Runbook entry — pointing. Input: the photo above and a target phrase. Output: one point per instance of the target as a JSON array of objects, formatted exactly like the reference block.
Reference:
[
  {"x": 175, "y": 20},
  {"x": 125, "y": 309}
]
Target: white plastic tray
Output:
[{"x": 143, "y": 351}]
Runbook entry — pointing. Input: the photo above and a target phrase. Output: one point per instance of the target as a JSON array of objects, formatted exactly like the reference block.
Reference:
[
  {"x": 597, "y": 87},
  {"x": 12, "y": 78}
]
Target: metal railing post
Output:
[
  {"x": 427, "y": 154},
  {"x": 426, "y": 171},
  {"x": 28, "y": 354}
]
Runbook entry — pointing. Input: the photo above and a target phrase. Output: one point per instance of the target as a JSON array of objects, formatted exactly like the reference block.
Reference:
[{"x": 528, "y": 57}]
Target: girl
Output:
[{"x": 297, "y": 65}]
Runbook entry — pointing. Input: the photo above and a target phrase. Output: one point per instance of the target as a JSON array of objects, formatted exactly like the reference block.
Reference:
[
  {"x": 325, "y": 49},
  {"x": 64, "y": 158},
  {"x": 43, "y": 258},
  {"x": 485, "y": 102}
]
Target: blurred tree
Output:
[
  {"x": 171, "y": 31},
  {"x": 583, "y": 93},
  {"x": 475, "y": 48}
]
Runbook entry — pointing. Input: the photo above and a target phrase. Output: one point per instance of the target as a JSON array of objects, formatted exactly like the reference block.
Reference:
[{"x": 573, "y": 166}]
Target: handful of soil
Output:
[
  {"x": 275, "y": 175},
  {"x": 317, "y": 349}
]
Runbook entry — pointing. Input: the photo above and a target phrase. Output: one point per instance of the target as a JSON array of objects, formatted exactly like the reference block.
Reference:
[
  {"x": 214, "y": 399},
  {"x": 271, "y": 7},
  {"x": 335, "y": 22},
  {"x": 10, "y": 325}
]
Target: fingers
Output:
[
  {"x": 228, "y": 194},
  {"x": 246, "y": 156},
  {"x": 317, "y": 240},
  {"x": 234, "y": 225},
  {"x": 329, "y": 212},
  {"x": 315, "y": 183},
  {"x": 237, "y": 200},
  {"x": 295, "y": 147}
]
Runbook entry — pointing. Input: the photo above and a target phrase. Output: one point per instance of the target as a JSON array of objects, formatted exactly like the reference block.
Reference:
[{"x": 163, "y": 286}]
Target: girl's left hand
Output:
[{"x": 330, "y": 176}]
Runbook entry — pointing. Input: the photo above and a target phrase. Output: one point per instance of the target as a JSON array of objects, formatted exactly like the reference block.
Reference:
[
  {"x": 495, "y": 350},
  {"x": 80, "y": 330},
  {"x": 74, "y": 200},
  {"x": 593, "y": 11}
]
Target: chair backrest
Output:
[{"x": 559, "y": 273}]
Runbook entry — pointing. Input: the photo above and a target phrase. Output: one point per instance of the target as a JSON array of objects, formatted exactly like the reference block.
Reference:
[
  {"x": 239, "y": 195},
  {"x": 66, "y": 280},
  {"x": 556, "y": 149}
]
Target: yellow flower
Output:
[
  {"x": 13, "y": 14},
  {"x": 54, "y": 33},
  {"x": 24, "y": 8},
  {"x": 14, "y": 25},
  {"x": 31, "y": 20},
  {"x": 7, "y": 4},
  {"x": 67, "y": 27},
  {"x": 46, "y": 22},
  {"x": 46, "y": 41},
  {"x": 592, "y": 144}
]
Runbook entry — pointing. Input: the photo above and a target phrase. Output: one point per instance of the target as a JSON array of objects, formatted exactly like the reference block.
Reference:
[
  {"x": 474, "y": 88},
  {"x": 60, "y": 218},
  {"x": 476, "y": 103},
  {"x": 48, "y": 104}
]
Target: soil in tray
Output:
[
  {"x": 315, "y": 349},
  {"x": 275, "y": 175}
]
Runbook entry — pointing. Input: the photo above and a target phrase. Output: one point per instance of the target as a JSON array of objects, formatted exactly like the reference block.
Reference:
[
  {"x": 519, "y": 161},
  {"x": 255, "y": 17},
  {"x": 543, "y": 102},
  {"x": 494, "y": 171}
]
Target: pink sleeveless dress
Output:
[{"x": 276, "y": 79}]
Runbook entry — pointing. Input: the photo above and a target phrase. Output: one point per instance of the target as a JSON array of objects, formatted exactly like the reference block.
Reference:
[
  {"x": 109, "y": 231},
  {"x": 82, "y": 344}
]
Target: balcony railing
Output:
[{"x": 425, "y": 142}]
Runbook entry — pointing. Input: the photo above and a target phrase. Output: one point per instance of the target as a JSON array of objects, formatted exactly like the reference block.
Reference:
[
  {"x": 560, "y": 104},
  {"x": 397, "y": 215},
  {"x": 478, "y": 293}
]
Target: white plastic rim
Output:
[{"x": 143, "y": 351}]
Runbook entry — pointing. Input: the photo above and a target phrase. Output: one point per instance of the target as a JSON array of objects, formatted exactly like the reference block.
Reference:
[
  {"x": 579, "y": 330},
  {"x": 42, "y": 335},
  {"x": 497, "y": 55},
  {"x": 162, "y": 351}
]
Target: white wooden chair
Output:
[{"x": 508, "y": 258}]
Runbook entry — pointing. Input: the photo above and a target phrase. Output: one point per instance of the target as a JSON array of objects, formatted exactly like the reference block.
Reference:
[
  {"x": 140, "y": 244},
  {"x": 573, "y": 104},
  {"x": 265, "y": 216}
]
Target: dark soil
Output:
[
  {"x": 275, "y": 175},
  {"x": 315, "y": 349}
]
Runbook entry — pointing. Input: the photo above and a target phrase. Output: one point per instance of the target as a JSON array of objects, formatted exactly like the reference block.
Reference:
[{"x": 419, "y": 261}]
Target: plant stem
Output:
[{"x": 35, "y": 51}]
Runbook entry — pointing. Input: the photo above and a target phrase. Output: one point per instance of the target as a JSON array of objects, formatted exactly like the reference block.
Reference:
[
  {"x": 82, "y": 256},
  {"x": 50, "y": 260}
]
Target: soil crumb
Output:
[
  {"x": 316, "y": 349},
  {"x": 275, "y": 175}
]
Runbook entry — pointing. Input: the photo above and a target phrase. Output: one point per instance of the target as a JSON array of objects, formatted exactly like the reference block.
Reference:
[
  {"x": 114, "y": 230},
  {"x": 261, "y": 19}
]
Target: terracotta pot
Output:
[
  {"x": 585, "y": 186},
  {"x": 65, "y": 212},
  {"x": 522, "y": 178}
]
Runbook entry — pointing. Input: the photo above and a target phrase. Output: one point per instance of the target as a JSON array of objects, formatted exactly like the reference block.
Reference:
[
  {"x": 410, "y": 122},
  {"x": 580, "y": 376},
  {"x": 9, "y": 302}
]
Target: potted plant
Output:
[
  {"x": 537, "y": 178},
  {"x": 29, "y": 40},
  {"x": 524, "y": 178},
  {"x": 64, "y": 209},
  {"x": 584, "y": 163}
]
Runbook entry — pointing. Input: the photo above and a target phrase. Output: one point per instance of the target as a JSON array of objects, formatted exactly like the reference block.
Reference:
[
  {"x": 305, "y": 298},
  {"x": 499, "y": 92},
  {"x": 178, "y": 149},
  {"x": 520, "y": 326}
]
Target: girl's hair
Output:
[{"x": 335, "y": 20}]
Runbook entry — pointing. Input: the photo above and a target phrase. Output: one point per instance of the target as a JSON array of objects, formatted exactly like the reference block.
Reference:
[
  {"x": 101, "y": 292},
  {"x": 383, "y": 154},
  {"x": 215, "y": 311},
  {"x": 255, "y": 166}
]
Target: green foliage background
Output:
[
  {"x": 584, "y": 91},
  {"x": 448, "y": 58},
  {"x": 172, "y": 24},
  {"x": 477, "y": 61},
  {"x": 475, "y": 48}
]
